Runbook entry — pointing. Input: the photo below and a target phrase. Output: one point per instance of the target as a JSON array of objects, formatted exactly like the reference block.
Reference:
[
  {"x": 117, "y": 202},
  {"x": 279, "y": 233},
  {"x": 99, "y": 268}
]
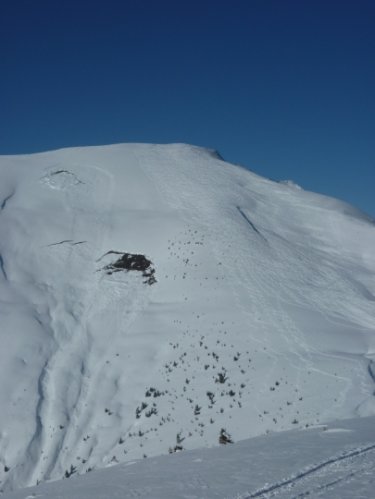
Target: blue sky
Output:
[{"x": 286, "y": 88}]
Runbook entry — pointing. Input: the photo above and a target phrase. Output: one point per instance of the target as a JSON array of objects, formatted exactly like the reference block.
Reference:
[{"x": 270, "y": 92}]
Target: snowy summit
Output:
[{"x": 154, "y": 298}]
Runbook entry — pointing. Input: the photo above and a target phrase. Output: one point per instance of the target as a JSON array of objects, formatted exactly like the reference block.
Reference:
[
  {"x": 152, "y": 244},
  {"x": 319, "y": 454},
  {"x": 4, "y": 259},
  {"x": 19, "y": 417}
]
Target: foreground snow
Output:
[
  {"x": 261, "y": 317},
  {"x": 335, "y": 462}
]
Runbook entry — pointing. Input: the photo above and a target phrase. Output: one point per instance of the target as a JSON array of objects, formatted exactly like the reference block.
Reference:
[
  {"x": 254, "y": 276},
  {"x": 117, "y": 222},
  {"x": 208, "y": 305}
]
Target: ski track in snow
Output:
[{"x": 288, "y": 485}]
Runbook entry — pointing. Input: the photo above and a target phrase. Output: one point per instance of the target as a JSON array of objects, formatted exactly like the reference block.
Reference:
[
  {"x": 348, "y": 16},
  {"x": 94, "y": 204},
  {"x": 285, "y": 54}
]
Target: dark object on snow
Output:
[
  {"x": 178, "y": 447},
  {"x": 221, "y": 377},
  {"x": 129, "y": 261},
  {"x": 69, "y": 473},
  {"x": 225, "y": 438}
]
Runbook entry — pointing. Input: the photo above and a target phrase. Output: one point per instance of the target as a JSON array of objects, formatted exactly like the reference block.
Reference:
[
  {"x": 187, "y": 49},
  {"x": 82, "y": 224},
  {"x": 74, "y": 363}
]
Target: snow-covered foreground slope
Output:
[
  {"x": 261, "y": 317},
  {"x": 335, "y": 462}
]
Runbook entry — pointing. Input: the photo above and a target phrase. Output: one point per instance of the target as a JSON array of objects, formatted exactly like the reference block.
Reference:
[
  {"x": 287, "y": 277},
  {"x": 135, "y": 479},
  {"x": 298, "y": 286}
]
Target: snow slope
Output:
[
  {"x": 335, "y": 462},
  {"x": 261, "y": 317}
]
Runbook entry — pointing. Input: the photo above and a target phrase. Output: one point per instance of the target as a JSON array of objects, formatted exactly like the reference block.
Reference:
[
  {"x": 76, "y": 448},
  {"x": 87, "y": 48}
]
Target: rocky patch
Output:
[{"x": 131, "y": 262}]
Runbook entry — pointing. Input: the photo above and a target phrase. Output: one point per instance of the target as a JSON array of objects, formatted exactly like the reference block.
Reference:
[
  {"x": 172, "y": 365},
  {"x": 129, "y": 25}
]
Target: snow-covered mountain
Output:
[{"x": 151, "y": 296}]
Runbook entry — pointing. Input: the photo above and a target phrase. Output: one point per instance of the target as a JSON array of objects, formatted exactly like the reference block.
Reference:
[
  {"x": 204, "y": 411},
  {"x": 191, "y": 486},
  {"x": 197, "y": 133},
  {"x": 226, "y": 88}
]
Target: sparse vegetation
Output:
[
  {"x": 70, "y": 472},
  {"x": 224, "y": 437}
]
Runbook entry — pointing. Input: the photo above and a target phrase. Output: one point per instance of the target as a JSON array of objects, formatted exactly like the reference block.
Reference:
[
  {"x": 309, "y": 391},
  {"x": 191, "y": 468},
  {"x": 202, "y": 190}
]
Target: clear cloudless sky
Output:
[{"x": 283, "y": 87}]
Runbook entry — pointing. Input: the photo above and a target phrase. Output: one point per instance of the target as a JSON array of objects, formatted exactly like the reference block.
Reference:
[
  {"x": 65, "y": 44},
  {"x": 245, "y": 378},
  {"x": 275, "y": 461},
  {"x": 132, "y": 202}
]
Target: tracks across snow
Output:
[
  {"x": 298, "y": 484},
  {"x": 64, "y": 380},
  {"x": 310, "y": 480}
]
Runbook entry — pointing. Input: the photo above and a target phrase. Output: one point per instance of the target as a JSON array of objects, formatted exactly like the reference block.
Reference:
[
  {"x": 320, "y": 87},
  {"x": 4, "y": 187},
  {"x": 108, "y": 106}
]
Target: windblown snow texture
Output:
[{"x": 152, "y": 291}]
